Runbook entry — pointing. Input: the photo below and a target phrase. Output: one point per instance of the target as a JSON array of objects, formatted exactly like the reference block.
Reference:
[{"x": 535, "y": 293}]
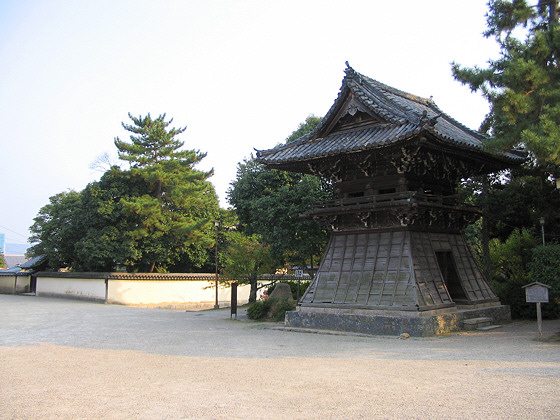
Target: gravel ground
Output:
[{"x": 69, "y": 359}]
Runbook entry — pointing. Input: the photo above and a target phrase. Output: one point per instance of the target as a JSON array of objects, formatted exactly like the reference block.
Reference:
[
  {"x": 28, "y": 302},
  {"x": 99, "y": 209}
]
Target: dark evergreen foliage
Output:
[
  {"x": 523, "y": 84},
  {"x": 270, "y": 203},
  {"x": 154, "y": 216},
  {"x": 545, "y": 268},
  {"x": 522, "y": 87}
]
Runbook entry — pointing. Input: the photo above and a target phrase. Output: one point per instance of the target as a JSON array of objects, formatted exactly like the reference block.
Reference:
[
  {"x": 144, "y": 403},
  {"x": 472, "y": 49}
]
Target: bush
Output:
[
  {"x": 510, "y": 261},
  {"x": 545, "y": 268},
  {"x": 511, "y": 293},
  {"x": 270, "y": 309},
  {"x": 257, "y": 310},
  {"x": 280, "y": 307},
  {"x": 512, "y": 257},
  {"x": 520, "y": 263}
]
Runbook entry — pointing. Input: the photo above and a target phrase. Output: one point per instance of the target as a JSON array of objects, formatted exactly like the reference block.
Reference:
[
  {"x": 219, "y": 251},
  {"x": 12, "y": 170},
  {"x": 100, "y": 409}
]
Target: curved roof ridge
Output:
[
  {"x": 401, "y": 93},
  {"x": 428, "y": 102},
  {"x": 399, "y": 114},
  {"x": 449, "y": 118}
]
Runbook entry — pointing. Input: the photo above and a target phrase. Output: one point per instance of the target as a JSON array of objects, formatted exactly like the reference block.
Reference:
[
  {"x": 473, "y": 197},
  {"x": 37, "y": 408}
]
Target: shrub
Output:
[
  {"x": 270, "y": 309},
  {"x": 280, "y": 307},
  {"x": 510, "y": 261},
  {"x": 518, "y": 262},
  {"x": 545, "y": 268},
  {"x": 258, "y": 309},
  {"x": 511, "y": 293},
  {"x": 512, "y": 257}
]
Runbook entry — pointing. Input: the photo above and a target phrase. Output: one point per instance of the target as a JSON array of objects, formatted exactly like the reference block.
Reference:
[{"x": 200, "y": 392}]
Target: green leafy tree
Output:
[
  {"x": 304, "y": 127},
  {"x": 510, "y": 269},
  {"x": 107, "y": 242},
  {"x": 520, "y": 260},
  {"x": 88, "y": 230},
  {"x": 155, "y": 216},
  {"x": 57, "y": 228},
  {"x": 2, "y": 260},
  {"x": 523, "y": 84},
  {"x": 522, "y": 87},
  {"x": 245, "y": 259},
  {"x": 516, "y": 200},
  {"x": 270, "y": 203},
  {"x": 511, "y": 258},
  {"x": 179, "y": 205},
  {"x": 519, "y": 203}
]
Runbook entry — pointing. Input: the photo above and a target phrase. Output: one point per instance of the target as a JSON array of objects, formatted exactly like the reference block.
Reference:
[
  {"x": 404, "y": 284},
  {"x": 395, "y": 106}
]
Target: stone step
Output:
[
  {"x": 476, "y": 323},
  {"x": 489, "y": 327}
]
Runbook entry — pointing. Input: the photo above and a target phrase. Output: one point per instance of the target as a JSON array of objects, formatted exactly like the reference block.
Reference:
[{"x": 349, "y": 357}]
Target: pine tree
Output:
[
  {"x": 179, "y": 204},
  {"x": 523, "y": 84},
  {"x": 522, "y": 87}
]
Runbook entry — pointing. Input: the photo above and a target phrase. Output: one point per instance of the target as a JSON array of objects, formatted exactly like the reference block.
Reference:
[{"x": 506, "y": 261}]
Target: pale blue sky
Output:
[{"x": 239, "y": 74}]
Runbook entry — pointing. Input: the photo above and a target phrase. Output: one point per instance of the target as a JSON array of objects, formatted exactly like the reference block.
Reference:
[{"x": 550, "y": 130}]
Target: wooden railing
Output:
[{"x": 411, "y": 198}]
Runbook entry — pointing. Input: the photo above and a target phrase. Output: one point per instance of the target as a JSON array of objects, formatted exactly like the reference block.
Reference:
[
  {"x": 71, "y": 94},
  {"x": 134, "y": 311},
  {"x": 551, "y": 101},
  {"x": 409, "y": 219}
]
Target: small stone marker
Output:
[{"x": 537, "y": 293}]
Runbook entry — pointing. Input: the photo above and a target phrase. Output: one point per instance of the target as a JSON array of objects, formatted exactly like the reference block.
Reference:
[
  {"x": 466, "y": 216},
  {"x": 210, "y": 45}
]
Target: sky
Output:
[{"x": 239, "y": 74}]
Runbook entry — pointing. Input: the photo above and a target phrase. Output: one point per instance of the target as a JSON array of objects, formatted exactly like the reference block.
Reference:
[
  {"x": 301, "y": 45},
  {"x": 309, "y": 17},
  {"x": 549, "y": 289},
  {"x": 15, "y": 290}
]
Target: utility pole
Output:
[{"x": 216, "y": 224}]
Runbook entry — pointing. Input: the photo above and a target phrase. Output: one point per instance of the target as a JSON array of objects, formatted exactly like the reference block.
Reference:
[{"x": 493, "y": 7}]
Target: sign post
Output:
[
  {"x": 233, "y": 300},
  {"x": 299, "y": 276},
  {"x": 537, "y": 293}
]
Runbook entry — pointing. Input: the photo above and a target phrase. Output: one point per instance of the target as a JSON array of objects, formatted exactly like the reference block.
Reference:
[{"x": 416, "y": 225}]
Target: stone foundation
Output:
[{"x": 415, "y": 324}]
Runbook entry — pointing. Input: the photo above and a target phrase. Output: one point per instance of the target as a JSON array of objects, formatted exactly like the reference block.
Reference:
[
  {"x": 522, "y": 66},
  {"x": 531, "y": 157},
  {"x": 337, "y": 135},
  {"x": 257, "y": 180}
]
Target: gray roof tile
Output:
[{"x": 403, "y": 116}]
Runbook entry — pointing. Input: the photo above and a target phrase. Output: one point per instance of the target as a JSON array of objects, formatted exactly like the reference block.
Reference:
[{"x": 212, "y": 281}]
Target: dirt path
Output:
[
  {"x": 216, "y": 369},
  {"x": 50, "y": 381}
]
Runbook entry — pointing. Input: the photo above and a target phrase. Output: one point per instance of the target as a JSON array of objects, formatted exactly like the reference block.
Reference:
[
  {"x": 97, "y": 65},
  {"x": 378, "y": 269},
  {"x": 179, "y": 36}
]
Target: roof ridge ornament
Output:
[
  {"x": 426, "y": 121},
  {"x": 350, "y": 72}
]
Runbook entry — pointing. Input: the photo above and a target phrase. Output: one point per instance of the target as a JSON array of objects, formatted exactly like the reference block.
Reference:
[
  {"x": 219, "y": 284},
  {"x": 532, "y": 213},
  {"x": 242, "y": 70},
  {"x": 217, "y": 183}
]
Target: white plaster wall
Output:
[
  {"x": 172, "y": 292},
  {"x": 7, "y": 284},
  {"x": 71, "y": 287}
]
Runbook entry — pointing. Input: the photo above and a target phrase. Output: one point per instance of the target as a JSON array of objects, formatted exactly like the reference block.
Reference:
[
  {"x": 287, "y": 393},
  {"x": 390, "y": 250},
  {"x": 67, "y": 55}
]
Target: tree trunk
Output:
[
  {"x": 151, "y": 270},
  {"x": 253, "y": 292},
  {"x": 485, "y": 237}
]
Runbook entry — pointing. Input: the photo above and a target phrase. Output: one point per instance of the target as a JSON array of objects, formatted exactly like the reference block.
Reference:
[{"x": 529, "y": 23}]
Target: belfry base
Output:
[
  {"x": 416, "y": 324},
  {"x": 395, "y": 281}
]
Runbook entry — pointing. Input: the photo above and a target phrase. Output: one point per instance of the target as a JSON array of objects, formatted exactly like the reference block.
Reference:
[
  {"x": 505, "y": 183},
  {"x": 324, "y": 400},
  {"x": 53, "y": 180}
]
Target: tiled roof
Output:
[
  {"x": 34, "y": 262},
  {"x": 129, "y": 276},
  {"x": 15, "y": 260},
  {"x": 401, "y": 116}
]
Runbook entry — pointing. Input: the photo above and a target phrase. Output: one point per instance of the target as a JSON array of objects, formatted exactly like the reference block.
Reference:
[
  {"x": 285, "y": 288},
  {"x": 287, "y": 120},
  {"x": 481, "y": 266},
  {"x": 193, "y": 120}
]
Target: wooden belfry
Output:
[{"x": 396, "y": 248}]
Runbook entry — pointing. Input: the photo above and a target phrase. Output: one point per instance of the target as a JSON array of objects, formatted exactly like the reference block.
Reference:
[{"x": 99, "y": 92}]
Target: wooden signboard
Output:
[{"x": 536, "y": 292}]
